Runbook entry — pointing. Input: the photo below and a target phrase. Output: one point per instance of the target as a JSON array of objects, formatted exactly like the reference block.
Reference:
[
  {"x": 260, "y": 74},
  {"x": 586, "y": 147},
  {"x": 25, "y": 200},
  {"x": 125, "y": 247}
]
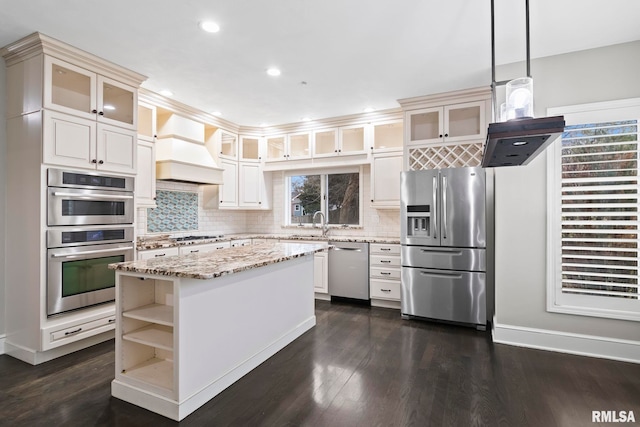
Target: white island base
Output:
[{"x": 181, "y": 341}]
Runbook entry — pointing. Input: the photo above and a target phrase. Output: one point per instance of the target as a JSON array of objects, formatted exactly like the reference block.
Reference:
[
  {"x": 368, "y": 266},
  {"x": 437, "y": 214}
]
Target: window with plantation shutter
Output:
[{"x": 594, "y": 209}]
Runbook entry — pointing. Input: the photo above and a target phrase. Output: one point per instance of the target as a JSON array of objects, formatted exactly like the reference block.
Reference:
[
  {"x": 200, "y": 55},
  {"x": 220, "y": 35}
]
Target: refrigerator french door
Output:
[{"x": 443, "y": 237}]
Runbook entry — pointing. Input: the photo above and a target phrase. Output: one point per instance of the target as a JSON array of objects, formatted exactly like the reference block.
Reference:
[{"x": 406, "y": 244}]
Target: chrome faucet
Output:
[{"x": 323, "y": 224}]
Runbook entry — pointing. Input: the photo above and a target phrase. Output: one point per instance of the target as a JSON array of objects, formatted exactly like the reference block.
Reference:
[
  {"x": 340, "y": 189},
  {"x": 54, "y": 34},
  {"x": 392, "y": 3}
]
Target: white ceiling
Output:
[{"x": 351, "y": 54}]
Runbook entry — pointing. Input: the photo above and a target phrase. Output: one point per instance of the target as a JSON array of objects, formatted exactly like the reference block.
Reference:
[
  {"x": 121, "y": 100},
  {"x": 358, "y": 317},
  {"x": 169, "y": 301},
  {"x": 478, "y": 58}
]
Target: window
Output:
[
  {"x": 594, "y": 211},
  {"x": 337, "y": 195}
]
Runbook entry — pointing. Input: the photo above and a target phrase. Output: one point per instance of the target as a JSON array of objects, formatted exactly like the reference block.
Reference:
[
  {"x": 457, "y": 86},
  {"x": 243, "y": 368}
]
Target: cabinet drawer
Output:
[
  {"x": 55, "y": 338},
  {"x": 208, "y": 247},
  {"x": 385, "y": 273},
  {"x": 384, "y": 261},
  {"x": 384, "y": 289},
  {"x": 379, "y": 248},
  {"x": 158, "y": 253}
]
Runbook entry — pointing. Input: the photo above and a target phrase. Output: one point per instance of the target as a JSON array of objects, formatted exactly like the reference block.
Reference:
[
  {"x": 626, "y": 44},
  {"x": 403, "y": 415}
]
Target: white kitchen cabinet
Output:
[
  {"x": 245, "y": 186},
  {"x": 250, "y": 149},
  {"x": 387, "y": 137},
  {"x": 146, "y": 175},
  {"x": 59, "y": 335},
  {"x": 147, "y": 122},
  {"x": 384, "y": 274},
  {"x": 80, "y": 143},
  {"x": 385, "y": 180},
  {"x": 448, "y": 123},
  {"x": 294, "y": 146},
  {"x": 203, "y": 248},
  {"x": 158, "y": 253},
  {"x": 228, "y": 144},
  {"x": 74, "y": 90},
  {"x": 342, "y": 141},
  {"x": 321, "y": 272},
  {"x": 228, "y": 191}
]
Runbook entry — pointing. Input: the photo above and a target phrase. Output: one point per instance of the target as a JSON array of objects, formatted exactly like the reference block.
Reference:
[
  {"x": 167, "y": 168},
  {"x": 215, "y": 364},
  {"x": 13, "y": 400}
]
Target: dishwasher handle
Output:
[{"x": 347, "y": 249}]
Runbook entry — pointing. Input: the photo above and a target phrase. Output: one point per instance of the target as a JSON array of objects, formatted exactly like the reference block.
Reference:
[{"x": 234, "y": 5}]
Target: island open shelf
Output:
[{"x": 182, "y": 338}]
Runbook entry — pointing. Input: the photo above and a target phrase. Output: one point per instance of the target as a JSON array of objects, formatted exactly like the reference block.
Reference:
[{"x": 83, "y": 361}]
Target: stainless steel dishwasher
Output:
[{"x": 349, "y": 270}]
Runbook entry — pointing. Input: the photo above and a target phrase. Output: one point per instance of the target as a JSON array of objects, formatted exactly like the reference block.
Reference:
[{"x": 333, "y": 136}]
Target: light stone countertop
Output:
[
  {"x": 219, "y": 263},
  {"x": 165, "y": 241}
]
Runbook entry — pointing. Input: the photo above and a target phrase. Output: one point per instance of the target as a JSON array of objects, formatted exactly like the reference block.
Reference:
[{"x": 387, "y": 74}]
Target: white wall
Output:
[
  {"x": 595, "y": 75},
  {"x": 3, "y": 180}
]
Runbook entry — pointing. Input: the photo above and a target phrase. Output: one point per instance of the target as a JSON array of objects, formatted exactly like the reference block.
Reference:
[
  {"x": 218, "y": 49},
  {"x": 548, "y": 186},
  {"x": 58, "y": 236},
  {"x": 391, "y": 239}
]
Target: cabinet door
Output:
[
  {"x": 69, "y": 141},
  {"x": 387, "y": 137},
  {"x": 250, "y": 149},
  {"x": 146, "y": 175},
  {"x": 465, "y": 121},
  {"x": 276, "y": 148},
  {"x": 158, "y": 253},
  {"x": 250, "y": 181},
  {"x": 228, "y": 192},
  {"x": 299, "y": 146},
  {"x": 385, "y": 181},
  {"x": 117, "y": 103},
  {"x": 146, "y": 122},
  {"x": 352, "y": 140},
  {"x": 424, "y": 125},
  {"x": 325, "y": 143},
  {"x": 321, "y": 272},
  {"x": 69, "y": 89},
  {"x": 228, "y": 145},
  {"x": 116, "y": 149}
]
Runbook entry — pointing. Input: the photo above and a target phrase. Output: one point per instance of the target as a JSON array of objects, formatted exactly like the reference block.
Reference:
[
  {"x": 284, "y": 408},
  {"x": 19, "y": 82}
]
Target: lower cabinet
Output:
[
  {"x": 207, "y": 247},
  {"x": 158, "y": 253},
  {"x": 320, "y": 269},
  {"x": 384, "y": 274},
  {"x": 66, "y": 333}
]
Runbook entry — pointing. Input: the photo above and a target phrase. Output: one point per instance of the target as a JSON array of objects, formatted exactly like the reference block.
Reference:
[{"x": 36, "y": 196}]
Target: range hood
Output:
[
  {"x": 518, "y": 141},
  {"x": 184, "y": 161}
]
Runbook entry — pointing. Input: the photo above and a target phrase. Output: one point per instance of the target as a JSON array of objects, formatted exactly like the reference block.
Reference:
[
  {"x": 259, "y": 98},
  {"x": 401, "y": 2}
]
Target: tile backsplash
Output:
[{"x": 176, "y": 211}]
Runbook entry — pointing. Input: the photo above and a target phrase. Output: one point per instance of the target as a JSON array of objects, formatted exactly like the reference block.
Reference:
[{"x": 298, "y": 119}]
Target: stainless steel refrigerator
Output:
[{"x": 444, "y": 245}]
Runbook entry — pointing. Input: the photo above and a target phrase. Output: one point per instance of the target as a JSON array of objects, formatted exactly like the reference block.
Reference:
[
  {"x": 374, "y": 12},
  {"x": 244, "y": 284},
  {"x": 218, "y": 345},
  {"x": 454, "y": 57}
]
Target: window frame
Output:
[
  {"x": 576, "y": 304},
  {"x": 323, "y": 191}
]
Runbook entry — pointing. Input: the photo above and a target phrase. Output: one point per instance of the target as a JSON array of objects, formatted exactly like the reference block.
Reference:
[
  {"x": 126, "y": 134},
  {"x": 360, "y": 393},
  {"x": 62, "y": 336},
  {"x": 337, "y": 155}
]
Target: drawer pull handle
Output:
[
  {"x": 72, "y": 332},
  {"x": 112, "y": 320},
  {"x": 385, "y": 249},
  {"x": 197, "y": 250},
  {"x": 159, "y": 255},
  {"x": 385, "y": 290},
  {"x": 384, "y": 273},
  {"x": 385, "y": 261}
]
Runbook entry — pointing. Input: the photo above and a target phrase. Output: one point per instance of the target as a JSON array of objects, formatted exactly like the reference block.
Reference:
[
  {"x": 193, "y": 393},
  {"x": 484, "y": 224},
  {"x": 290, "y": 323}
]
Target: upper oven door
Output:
[{"x": 73, "y": 206}]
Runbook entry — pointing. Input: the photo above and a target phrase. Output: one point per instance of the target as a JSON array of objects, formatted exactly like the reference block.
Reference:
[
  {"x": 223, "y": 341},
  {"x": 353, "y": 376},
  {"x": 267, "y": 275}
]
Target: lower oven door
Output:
[{"x": 79, "y": 277}]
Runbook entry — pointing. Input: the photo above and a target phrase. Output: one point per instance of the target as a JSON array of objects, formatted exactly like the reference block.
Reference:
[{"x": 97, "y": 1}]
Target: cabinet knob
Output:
[
  {"x": 94, "y": 111},
  {"x": 371, "y": 200},
  {"x": 94, "y": 161},
  {"x": 446, "y": 135},
  {"x": 101, "y": 162},
  {"x": 101, "y": 113},
  {"x": 339, "y": 151},
  {"x": 335, "y": 151},
  {"x": 440, "y": 136}
]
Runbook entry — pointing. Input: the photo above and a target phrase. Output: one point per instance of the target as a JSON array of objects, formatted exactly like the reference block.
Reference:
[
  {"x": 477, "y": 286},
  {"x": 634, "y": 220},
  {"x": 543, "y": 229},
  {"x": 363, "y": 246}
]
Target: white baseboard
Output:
[{"x": 565, "y": 342}]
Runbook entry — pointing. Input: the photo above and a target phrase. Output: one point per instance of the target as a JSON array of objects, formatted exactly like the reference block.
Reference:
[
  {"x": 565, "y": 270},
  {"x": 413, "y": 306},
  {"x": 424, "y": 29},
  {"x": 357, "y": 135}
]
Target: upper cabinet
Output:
[
  {"x": 228, "y": 145},
  {"x": 250, "y": 149},
  {"x": 77, "y": 91},
  {"x": 147, "y": 122},
  {"x": 294, "y": 146},
  {"x": 387, "y": 136},
  {"x": 449, "y": 123},
  {"x": 341, "y": 141}
]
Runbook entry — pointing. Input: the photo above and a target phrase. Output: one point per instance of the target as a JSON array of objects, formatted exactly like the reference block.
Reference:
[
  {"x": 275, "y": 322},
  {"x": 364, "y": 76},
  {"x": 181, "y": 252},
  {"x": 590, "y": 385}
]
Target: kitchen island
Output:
[{"x": 190, "y": 326}]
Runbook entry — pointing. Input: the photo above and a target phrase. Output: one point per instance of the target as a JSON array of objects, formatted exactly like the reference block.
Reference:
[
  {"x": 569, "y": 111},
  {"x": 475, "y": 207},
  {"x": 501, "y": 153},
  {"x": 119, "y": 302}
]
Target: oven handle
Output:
[
  {"x": 92, "y": 196},
  {"x": 81, "y": 254}
]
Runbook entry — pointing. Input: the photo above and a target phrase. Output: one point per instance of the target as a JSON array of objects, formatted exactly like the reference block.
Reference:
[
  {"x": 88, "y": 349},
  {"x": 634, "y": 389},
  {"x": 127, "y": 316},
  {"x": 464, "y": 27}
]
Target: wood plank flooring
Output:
[{"x": 359, "y": 366}]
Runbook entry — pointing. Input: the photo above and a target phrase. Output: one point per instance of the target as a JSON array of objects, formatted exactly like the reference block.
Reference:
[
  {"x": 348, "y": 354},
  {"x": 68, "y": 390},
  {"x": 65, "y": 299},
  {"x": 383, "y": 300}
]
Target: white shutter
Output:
[{"x": 599, "y": 188}]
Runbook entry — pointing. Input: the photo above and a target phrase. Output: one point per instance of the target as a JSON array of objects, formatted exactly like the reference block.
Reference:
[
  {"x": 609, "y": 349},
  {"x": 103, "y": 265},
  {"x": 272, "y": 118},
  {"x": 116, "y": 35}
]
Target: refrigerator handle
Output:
[
  {"x": 444, "y": 207},
  {"x": 434, "y": 214}
]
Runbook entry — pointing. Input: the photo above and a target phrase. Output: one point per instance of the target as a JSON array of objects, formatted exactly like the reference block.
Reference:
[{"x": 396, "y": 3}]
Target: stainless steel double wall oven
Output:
[{"x": 89, "y": 226}]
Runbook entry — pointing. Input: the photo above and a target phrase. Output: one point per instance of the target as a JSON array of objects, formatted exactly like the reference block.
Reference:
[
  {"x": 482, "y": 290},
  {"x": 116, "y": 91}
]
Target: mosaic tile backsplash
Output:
[{"x": 175, "y": 211}]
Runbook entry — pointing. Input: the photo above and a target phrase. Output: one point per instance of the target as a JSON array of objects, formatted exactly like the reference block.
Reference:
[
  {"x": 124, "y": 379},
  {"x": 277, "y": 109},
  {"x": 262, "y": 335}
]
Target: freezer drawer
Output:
[
  {"x": 445, "y": 295},
  {"x": 441, "y": 258}
]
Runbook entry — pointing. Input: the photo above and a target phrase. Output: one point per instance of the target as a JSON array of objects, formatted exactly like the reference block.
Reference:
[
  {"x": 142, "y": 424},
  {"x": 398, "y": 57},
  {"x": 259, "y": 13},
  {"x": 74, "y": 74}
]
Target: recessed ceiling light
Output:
[
  {"x": 369, "y": 110},
  {"x": 273, "y": 72},
  {"x": 217, "y": 113},
  {"x": 209, "y": 26},
  {"x": 263, "y": 125},
  {"x": 166, "y": 92}
]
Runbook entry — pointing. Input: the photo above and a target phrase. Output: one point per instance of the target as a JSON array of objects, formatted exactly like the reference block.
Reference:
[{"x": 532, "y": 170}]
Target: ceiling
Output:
[{"x": 336, "y": 57}]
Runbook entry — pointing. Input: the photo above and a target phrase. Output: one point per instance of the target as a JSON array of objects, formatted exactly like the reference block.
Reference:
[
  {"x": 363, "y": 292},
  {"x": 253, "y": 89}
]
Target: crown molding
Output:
[{"x": 467, "y": 95}]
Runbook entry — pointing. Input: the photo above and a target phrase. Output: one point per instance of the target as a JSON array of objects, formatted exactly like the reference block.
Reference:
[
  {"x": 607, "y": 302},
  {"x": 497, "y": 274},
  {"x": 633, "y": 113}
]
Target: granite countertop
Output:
[
  {"x": 219, "y": 263},
  {"x": 165, "y": 240}
]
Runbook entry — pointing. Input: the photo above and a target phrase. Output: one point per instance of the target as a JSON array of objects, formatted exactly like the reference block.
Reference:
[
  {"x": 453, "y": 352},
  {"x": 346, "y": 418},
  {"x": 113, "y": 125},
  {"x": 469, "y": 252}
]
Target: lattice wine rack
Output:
[{"x": 445, "y": 156}]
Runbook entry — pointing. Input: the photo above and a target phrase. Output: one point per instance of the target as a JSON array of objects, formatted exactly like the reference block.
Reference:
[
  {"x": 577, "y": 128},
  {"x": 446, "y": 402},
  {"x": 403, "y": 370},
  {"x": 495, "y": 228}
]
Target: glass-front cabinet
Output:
[
  {"x": 228, "y": 145},
  {"x": 457, "y": 122},
  {"x": 74, "y": 90},
  {"x": 250, "y": 149},
  {"x": 299, "y": 146},
  {"x": 293, "y": 146},
  {"x": 387, "y": 136},
  {"x": 276, "y": 148},
  {"x": 352, "y": 140},
  {"x": 325, "y": 142}
]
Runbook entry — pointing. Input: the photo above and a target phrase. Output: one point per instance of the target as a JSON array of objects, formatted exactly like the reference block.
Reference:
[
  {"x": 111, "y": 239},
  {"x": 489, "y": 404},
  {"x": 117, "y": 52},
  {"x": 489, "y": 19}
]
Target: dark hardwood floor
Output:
[{"x": 359, "y": 366}]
